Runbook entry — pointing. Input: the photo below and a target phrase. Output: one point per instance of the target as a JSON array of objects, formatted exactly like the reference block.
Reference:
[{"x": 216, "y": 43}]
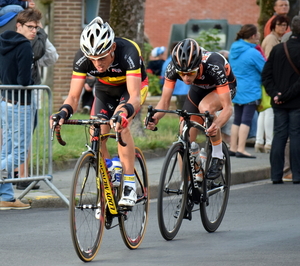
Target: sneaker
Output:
[
  {"x": 13, "y": 205},
  {"x": 24, "y": 185},
  {"x": 215, "y": 169},
  {"x": 288, "y": 178},
  {"x": 267, "y": 148},
  {"x": 129, "y": 197},
  {"x": 86, "y": 109}
]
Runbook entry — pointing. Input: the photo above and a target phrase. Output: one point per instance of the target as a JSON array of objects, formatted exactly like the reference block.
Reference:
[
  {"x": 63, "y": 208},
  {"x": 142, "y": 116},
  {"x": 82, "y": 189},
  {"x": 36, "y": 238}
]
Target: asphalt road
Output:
[{"x": 260, "y": 227}]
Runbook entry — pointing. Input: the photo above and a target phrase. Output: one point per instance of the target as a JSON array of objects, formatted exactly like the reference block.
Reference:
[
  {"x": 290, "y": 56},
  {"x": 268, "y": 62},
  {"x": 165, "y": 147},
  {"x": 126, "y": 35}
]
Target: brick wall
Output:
[
  {"x": 159, "y": 16},
  {"x": 67, "y": 30}
]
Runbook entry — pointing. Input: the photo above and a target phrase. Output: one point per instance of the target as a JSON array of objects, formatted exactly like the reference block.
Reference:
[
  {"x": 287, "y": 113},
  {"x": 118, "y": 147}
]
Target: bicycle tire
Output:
[
  {"x": 172, "y": 192},
  {"x": 134, "y": 222},
  {"x": 87, "y": 208},
  {"x": 213, "y": 210}
]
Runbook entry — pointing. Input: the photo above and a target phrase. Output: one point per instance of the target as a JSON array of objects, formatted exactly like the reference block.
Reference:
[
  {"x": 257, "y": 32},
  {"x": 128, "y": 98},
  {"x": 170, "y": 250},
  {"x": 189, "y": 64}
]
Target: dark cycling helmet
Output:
[
  {"x": 96, "y": 38},
  {"x": 186, "y": 55}
]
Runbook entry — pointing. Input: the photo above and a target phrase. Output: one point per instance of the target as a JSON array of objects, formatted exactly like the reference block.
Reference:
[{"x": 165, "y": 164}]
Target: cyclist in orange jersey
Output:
[{"x": 213, "y": 85}]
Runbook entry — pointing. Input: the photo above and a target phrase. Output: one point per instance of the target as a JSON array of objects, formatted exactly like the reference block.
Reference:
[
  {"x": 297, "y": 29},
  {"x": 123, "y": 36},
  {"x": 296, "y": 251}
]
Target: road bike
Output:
[
  {"x": 179, "y": 191},
  {"x": 94, "y": 199}
]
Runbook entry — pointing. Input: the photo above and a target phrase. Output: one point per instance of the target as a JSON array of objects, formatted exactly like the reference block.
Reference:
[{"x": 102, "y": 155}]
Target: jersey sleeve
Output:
[
  {"x": 132, "y": 59},
  {"x": 219, "y": 69},
  {"x": 80, "y": 66}
]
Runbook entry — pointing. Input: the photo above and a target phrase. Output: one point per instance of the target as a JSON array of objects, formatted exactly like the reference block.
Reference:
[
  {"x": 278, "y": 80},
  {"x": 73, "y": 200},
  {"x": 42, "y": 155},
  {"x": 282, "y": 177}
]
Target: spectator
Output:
[
  {"x": 181, "y": 89},
  {"x": 45, "y": 55},
  {"x": 278, "y": 28},
  {"x": 265, "y": 121},
  {"x": 14, "y": 6},
  {"x": 15, "y": 69},
  {"x": 247, "y": 64},
  {"x": 282, "y": 84},
  {"x": 156, "y": 61},
  {"x": 281, "y": 7}
]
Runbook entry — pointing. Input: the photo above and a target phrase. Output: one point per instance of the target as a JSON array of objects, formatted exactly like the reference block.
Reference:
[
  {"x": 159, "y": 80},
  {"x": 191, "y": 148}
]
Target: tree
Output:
[{"x": 127, "y": 20}]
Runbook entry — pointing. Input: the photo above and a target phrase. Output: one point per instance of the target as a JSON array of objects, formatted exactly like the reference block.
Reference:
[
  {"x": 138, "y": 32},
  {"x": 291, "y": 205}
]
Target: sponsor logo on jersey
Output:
[
  {"x": 110, "y": 106},
  {"x": 81, "y": 60}
]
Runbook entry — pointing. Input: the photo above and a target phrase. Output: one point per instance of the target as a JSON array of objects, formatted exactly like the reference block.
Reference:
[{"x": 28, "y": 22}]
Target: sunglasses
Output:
[{"x": 189, "y": 73}]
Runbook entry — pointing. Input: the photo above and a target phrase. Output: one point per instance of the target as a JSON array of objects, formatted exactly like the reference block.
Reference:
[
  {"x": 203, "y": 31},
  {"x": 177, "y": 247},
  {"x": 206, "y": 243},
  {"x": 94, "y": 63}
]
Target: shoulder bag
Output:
[{"x": 289, "y": 58}]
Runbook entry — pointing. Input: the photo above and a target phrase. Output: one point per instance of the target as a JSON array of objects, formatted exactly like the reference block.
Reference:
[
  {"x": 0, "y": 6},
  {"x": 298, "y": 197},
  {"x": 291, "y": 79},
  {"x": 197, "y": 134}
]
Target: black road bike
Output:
[{"x": 179, "y": 192}]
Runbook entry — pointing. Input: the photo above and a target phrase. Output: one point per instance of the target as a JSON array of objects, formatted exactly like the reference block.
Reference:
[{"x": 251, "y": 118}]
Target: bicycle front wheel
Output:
[
  {"x": 133, "y": 223},
  {"x": 86, "y": 208},
  {"x": 213, "y": 209},
  {"x": 172, "y": 192}
]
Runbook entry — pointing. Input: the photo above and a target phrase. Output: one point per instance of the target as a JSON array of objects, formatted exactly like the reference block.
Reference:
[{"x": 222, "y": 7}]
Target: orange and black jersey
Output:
[
  {"x": 127, "y": 62},
  {"x": 214, "y": 73}
]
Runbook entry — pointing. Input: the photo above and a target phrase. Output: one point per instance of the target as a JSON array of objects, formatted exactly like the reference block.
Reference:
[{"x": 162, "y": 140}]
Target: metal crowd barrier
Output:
[{"x": 38, "y": 150}]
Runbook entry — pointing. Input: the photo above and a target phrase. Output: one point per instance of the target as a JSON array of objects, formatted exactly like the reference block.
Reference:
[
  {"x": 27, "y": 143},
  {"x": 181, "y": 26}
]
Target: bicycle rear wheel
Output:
[
  {"x": 172, "y": 192},
  {"x": 133, "y": 223},
  {"x": 213, "y": 210},
  {"x": 86, "y": 208}
]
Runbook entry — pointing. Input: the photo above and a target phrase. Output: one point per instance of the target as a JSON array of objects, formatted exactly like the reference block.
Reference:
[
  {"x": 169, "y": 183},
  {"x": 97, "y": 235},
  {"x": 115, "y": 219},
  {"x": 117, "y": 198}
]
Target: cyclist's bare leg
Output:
[
  {"x": 212, "y": 103},
  {"x": 127, "y": 157}
]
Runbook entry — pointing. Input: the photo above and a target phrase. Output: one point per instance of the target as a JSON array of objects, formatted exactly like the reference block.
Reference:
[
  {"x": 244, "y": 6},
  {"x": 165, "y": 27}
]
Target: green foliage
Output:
[
  {"x": 154, "y": 85},
  {"x": 209, "y": 39},
  {"x": 147, "y": 51}
]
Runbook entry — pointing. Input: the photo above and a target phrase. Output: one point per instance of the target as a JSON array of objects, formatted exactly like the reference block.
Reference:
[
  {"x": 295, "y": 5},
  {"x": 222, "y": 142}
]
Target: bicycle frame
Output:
[
  {"x": 198, "y": 192},
  {"x": 102, "y": 173}
]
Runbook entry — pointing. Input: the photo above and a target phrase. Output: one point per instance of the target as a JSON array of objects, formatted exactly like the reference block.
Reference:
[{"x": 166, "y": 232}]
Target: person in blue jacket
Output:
[
  {"x": 247, "y": 64},
  {"x": 15, "y": 6}
]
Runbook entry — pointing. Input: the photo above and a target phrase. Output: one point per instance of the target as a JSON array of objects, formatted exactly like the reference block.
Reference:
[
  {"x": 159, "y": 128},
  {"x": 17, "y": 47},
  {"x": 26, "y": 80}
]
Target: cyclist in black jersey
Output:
[
  {"x": 213, "y": 85},
  {"x": 121, "y": 90}
]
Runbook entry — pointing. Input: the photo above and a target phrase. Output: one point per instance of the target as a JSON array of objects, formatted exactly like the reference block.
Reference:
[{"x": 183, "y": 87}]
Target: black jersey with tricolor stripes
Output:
[{"x": 127, "y": 61}]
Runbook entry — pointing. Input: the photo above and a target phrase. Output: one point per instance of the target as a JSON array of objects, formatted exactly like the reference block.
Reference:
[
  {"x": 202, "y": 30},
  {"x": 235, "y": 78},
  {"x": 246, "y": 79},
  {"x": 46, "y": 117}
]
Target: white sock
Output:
[
  {"x": 129, "y": 180},
  {"x": 217, "y": 151}
]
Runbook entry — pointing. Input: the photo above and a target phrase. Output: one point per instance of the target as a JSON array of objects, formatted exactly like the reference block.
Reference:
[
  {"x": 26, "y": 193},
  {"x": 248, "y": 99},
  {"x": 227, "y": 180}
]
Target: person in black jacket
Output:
[
  {"x": 16, "y": 59},
  {"x": 282, "y": 83}
]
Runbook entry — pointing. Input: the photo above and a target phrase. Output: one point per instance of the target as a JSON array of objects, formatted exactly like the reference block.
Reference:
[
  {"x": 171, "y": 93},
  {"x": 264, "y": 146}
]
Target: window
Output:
[{"x": 90, "y": 10}]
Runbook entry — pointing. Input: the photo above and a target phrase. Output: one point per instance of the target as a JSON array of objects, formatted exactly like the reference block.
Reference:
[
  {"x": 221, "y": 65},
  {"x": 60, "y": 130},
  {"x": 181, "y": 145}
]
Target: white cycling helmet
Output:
[{"x": 96, "y": 38}]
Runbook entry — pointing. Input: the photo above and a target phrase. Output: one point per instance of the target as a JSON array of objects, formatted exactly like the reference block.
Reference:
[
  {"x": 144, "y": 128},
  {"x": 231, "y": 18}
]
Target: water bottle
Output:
[
  {"x": 203, "y": 157},
  {"x": 110, "y": 167},
  {"x": 117, "y": 172},
  {"x": 197, "y": 165}
]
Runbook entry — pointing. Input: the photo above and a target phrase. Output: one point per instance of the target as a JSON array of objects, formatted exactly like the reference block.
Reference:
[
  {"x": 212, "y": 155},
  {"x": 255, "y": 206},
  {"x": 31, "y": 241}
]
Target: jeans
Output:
[
  {"x": 10, "y": 8},
  {"x": 286, "y": 124},
  {"x": 17, "y": 130}
]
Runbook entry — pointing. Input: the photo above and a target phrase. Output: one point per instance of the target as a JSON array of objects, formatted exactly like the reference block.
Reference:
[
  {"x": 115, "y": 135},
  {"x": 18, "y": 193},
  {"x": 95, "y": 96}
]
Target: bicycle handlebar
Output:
[
  {"x": 56, "y": 128},
  {"x": 183, "y": 113}
]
